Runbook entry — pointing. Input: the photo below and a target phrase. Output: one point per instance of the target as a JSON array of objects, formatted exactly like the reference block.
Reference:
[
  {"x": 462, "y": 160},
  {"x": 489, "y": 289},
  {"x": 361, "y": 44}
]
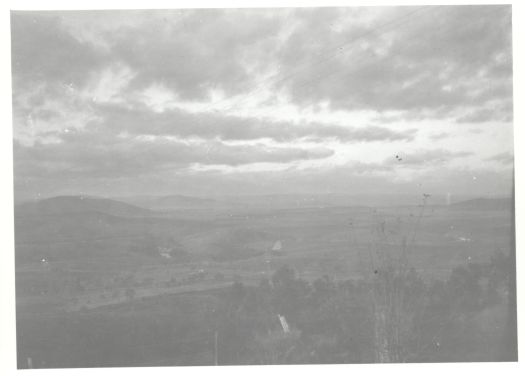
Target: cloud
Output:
[
  {"x": 503, "y": 158},
  {"x": 439, "y": 136},
  {"x": 95, "y": 155},
  {"x": 431, "y": 157},
  {"x": 484, "y": 115},
  {"x": 43, "y": 51},
  {"x": 419, "y": 160},
  {"x": 106, "y": 97},
  {"x": 206, "y": 49},
  {"x": 441, "y": 59},
  {"x": 339, "y": 180},
  {"x": 183, "y": 124}
]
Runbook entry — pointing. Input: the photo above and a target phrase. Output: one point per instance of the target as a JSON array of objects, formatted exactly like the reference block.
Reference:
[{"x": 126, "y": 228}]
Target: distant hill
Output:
[
  {"x": 484, "y": 204},
  {"x": 172, "y": 202},
  {"x": 178, "y": 201},
  {"x": 80, "y": 204},
  {"x": 90, "y": 228}
]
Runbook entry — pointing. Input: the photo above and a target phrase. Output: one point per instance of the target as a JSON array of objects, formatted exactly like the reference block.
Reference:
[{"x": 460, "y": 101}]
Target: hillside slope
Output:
[{"x": 62, "y": 205}]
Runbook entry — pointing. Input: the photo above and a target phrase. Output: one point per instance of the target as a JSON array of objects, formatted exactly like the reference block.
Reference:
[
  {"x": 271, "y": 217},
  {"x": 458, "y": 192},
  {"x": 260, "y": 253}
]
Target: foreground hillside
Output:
[
  {"x": 160, "y": 283},
  {"x": 63, "y": 205}
]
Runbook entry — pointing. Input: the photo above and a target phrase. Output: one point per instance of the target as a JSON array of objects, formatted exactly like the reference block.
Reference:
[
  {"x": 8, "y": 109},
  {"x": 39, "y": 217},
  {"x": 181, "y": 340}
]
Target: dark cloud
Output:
[
  {"x": 102, "y": 155},
  {"x": 441, "y": 59},
  {"x": 502, "y": 113},
  {"x": 43, "y": 51},
  {"x": 410, "y": 59},
  {"x": 205, "y": 49},
  {"x": 184, "y": 124}
]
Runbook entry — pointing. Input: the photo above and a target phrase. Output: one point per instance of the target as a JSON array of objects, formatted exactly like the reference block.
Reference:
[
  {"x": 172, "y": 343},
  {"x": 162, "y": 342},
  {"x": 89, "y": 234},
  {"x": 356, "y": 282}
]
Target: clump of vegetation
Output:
[
  {"x": 396, "y": 316},
  {"x": 329, "y": 321}
]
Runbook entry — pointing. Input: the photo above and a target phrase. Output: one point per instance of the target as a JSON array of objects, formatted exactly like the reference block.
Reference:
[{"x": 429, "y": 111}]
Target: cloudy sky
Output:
[{"x": 311, "y": 100}]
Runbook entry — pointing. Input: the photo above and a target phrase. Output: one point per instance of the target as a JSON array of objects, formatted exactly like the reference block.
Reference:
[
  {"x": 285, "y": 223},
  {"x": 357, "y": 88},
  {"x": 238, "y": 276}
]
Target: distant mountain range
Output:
[
  {"x": 153, "y": 206},
  {"x": 171, "y": 202},
  {"x": 62, "y": 205}
]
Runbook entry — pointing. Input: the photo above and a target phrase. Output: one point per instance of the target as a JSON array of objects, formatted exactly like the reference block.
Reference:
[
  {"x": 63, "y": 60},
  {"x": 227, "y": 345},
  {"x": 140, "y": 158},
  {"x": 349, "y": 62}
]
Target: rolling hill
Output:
[
  {"x": 171, "y": 202},
  {"x": 62, "y": 205},
  {"x": 75, "y": 227}
]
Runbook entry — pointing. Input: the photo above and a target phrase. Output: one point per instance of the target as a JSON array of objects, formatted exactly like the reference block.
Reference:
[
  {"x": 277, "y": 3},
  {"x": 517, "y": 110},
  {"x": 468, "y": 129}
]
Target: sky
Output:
[{"x": 357, "y": 100}]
